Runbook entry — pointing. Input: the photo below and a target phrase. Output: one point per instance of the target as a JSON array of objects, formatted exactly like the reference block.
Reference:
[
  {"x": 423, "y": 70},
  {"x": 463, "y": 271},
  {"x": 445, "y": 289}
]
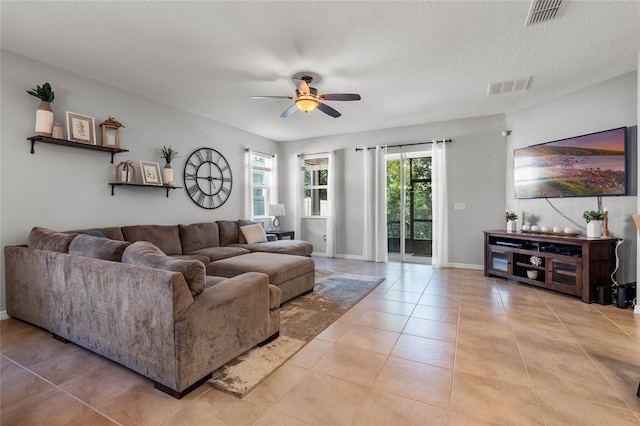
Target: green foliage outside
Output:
[{"x": 418, "y": 178}]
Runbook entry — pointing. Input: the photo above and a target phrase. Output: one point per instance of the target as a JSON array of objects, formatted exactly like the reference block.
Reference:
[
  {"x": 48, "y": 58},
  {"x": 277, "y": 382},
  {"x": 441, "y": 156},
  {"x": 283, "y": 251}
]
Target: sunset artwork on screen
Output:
[{"x": 582, "y": 166}]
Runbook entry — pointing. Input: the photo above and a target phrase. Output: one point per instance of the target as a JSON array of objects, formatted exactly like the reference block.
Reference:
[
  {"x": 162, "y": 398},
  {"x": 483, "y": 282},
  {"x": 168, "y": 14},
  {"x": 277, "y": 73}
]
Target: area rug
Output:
[{"x": 301, "y": 319}]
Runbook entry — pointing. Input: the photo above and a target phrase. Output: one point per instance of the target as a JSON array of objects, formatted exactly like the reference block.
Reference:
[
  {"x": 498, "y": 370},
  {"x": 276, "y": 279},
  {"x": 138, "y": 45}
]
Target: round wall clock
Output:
[{"x": 207, "y": 178}]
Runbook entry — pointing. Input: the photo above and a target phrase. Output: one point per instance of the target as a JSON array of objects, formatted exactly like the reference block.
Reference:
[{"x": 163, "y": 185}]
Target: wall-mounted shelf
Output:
[
  {"x": 167, "y": 187},
  {"x": 64, "y": 142}
]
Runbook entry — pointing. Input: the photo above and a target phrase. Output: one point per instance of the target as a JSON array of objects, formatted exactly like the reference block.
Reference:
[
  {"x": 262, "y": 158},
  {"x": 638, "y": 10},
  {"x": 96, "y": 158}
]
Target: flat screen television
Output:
[{"x": 581, "y": 166}]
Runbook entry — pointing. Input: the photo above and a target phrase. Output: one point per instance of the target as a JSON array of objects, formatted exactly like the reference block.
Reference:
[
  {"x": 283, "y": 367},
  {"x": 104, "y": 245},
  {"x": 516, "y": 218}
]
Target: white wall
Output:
[
  {"x": 476, "y": 173},
  {"x": 607, "y": 105},
  {"x": 64, "y": 188}
]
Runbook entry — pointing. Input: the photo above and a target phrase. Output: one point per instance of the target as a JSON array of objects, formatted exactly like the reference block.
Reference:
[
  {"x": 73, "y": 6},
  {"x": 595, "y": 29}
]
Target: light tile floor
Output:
[{"x": 426, "y": 347}]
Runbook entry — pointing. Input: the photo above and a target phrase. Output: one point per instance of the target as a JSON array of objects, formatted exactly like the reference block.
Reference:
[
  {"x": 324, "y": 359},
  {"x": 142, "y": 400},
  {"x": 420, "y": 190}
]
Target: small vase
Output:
[
  {"x": 44, "y": 119},
  {"x": 168, "y": 174},
  {"x": 511, "y": 226},
  {"x": 57, "y": 132},
  {"x": 594, "y": 229}
]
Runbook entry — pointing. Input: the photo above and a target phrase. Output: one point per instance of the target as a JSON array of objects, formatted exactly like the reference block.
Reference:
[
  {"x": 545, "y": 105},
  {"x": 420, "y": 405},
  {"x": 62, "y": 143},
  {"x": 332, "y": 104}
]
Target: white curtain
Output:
[
  {"x": 295, "y": 168},
  {"x": 248, "y": 181},
  {"x": 331, "y": 190},
  {"x": 273, "y": 183},
  {"x": 375, "y": 205},
  {"x": 440, "y": 202}
]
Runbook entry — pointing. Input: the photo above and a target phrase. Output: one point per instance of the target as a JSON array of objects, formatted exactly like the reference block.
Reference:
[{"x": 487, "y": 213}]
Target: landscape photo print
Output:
[{"x": 588, "y": 165}]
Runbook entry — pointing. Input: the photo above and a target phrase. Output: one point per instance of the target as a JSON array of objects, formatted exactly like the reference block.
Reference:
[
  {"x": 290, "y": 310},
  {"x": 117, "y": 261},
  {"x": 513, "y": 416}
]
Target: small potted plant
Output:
[
  {"x": 168, "y": 153},
  {"x": 594, "y": 223},
  {"x": 44, "y": 113},
  {"x": 511, "y": 217}
]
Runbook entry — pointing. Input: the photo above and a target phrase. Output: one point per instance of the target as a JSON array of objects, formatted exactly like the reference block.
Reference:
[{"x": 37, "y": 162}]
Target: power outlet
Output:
[{"x": 324, "y": 238}]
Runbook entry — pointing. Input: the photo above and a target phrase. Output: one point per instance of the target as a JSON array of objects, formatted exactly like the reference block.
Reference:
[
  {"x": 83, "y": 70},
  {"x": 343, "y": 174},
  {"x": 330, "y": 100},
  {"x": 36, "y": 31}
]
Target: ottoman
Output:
[{"x": 294, "y": 275}]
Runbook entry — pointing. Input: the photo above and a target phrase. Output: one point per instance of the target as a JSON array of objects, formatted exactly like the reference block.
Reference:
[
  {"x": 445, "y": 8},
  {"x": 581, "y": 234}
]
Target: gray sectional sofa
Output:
[{"x": 152, "y": 298}]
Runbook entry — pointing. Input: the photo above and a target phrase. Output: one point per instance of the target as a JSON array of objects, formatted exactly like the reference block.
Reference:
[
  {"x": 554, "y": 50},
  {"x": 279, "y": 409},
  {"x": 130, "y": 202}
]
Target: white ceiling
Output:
[{"x": 412, "y": 62}]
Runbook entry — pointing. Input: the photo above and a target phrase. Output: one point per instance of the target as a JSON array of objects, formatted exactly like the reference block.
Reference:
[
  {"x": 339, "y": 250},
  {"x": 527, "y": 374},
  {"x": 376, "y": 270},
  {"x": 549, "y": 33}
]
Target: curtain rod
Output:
[
  {"x": 266, "y": 154},
  {"x": 406, "y": 144},
  {"x": 313, "y": 153}
]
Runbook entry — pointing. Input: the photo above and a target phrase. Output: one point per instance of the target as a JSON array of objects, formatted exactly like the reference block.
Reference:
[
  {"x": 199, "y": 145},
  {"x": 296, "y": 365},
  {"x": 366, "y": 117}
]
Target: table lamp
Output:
[{"x": 276, "y": 210}]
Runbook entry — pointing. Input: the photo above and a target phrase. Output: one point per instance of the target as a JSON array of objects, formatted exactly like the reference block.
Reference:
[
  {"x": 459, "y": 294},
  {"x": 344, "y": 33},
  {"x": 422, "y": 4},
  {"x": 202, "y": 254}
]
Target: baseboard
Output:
[
  {"x": 4, "y": 315},
  {"x": 466, "y": 266},
  {"x": 348, "y": 256}
]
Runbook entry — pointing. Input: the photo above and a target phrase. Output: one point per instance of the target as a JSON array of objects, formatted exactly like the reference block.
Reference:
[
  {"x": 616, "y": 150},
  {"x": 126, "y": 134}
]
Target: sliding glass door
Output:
[{"x": 409, "y": 208}]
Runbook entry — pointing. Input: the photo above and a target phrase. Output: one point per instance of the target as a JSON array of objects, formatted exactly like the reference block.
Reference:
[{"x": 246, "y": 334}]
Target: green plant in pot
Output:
[
  {"x": 511, "y": 217},
  {"x": 168, "y": 153},
  {"x": 594, "y": 223},
  {"x": 44, "y": 113}
]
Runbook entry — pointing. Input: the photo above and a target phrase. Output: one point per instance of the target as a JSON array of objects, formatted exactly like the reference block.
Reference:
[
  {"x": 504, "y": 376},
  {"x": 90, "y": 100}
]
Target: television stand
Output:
[{"x": 571, "y": 265}]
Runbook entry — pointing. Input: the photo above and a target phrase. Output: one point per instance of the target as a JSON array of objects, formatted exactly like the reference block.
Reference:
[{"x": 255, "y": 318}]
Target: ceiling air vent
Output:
[
  {"x": 508, "y": 86},
  {"x": 544, "y": 10}
]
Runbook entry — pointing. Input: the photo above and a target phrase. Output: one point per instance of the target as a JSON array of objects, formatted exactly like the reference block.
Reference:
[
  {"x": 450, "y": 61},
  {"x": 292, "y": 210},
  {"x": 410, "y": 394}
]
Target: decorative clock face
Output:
[{"x": 207, "y": 178}]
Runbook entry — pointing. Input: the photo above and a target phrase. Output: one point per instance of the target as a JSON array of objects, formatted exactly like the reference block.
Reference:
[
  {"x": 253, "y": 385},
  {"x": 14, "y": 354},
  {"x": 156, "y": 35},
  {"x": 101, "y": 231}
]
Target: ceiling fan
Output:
[{"x": 307, "y": 98}]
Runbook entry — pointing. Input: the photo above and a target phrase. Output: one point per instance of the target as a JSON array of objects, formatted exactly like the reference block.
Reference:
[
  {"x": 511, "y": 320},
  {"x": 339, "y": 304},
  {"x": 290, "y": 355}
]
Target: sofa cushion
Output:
[
  {"x": 197, "y": 236},
  {"x": 210, "y": 281},
  {"x": 98, "y": 247},
  {"x": 217, "y": 253},
  {"x": 144, "y": 253},
  {"x": 166, "y": 238},
  {"x": 279, "y": 267},
  {"x": 93, "y": 233},
  {"x": 47, "y": 239},
  {"x": 296, "y": 247},
  {"x": 253, "y": 233},
  {"x": 204, "y": 259},
  {"x": 111, "y": 232},
  {"x": 228, "y": 232}
]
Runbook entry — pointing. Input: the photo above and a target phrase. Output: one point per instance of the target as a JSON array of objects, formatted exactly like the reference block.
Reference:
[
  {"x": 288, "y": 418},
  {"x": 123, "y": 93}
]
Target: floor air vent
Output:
[{"x": 544, "y": 10}]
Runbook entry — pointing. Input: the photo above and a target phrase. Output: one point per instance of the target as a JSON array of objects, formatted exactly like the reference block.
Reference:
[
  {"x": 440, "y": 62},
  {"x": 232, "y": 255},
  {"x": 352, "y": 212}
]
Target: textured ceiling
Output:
[{"x": 412, "y": 62}]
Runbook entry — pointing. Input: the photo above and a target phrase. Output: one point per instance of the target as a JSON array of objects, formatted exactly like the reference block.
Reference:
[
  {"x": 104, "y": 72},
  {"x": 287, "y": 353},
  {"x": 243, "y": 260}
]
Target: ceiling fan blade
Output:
[
  {"x": 340, "y": 97},
  {"x": 328, "y": 110},
  {"x": 293, "y": 108},
  {"x": 302, "y": 85},
  {"x": 270, "y": 97}
]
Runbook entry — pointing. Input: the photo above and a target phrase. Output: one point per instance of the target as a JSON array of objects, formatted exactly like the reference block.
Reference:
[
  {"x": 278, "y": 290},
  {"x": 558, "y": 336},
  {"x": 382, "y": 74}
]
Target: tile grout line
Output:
[
  {"x": 526, "y": 368},
  {"x": 62, "y": 390}
]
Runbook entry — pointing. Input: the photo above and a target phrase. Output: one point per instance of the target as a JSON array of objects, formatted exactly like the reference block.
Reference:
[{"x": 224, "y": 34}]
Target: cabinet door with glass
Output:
[
  {"x": 499, "y": 260},
  {"x": 566, "y": 274}
]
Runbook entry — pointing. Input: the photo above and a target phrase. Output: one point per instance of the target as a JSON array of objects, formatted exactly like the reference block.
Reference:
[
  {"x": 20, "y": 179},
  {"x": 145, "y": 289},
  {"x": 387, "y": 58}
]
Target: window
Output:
[
  {"x": 263, "y": 183},
  {"x": 316, "y": 185}
]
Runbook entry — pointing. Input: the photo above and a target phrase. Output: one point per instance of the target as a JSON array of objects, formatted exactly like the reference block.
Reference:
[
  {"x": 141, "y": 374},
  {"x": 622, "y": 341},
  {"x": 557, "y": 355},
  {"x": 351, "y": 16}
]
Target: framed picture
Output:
[
  {"x": 81, "y": 128},
  {"x": 150, "y": 173}
]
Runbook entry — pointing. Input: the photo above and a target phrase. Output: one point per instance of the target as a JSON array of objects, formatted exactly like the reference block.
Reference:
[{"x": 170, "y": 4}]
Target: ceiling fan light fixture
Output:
[{"x": 306, "y": 103}]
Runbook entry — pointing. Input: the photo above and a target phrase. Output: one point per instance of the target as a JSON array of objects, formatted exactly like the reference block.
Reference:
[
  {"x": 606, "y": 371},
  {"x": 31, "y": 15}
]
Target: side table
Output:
[{"x": 281, "y": 234}]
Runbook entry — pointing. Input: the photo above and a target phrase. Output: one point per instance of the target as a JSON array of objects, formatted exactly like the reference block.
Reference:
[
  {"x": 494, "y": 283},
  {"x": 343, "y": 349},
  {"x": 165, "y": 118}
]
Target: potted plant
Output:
[
  {"x": 594, "y": 223},
  {"x": 44, "y": 113},
  {"x": 511, "y": 217},
  {"x": 168, "y": 153}
]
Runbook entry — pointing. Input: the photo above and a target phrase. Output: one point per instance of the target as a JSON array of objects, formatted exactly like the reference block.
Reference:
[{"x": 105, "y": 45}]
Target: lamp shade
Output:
[{"x": 276, "y": 209}]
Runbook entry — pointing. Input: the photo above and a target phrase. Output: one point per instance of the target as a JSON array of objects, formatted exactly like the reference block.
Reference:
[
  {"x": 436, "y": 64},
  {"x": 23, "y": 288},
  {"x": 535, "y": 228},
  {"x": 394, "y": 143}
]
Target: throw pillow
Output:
[
  {"x": 143, "y": 253},
  {"x": 47, "y": 239},
  {"x": 98, "y": 247},
  {"x": 93, "y": 233},
  {"x": 254, "y": 234}
]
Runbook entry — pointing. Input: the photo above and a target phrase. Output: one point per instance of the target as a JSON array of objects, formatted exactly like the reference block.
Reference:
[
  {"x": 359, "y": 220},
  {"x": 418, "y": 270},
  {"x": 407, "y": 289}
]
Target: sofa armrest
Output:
[{"x": 224, "y": 321}]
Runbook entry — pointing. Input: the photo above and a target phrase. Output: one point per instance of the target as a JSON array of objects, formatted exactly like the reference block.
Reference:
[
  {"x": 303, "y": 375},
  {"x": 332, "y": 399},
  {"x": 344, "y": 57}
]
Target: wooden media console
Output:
[{"x": 569, "y": 264}]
